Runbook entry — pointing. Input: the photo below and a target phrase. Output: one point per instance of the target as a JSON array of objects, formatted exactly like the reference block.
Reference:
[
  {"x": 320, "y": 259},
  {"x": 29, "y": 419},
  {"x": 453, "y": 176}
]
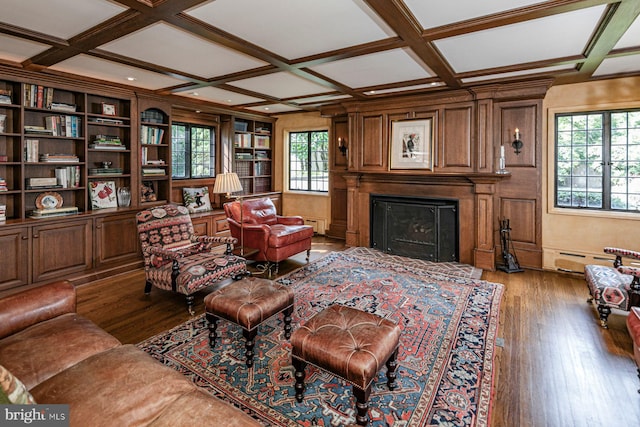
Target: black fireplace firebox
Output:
[{"x": 423, "y": 228}]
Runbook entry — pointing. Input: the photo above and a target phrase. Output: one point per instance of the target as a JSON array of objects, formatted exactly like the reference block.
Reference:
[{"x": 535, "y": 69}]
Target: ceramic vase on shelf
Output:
[{"x": 124, "y": 196}]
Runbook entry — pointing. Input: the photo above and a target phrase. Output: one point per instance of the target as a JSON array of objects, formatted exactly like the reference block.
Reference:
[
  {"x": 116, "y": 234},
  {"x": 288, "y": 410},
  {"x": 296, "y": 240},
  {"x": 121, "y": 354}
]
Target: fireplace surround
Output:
[{"x": 416, "y": 227}]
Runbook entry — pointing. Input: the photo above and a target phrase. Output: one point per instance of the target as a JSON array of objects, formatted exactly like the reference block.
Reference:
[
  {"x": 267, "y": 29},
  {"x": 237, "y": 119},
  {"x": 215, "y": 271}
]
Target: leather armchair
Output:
[{"x": 275, "y": 237}]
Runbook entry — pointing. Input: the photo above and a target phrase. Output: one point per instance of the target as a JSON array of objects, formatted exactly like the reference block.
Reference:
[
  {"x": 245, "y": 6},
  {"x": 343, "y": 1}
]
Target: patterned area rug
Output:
[{"x": 445, "y": 362}]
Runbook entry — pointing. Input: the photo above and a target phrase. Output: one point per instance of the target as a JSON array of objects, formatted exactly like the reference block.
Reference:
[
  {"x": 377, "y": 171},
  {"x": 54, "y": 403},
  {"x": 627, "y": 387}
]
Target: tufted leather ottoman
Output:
[
  {"x": 248, "y": 303},
  {"x": 633, "y": 325},
  {"x": 350, "y": 344}
]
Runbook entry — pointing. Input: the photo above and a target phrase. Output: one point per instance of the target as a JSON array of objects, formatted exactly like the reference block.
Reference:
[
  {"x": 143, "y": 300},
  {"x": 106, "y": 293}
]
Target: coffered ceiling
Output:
[{"x": 273, "y": 56}]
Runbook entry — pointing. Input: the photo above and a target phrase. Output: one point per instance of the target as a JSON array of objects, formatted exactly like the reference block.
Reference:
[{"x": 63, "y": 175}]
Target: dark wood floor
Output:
[{"x": 556, "y": 368}]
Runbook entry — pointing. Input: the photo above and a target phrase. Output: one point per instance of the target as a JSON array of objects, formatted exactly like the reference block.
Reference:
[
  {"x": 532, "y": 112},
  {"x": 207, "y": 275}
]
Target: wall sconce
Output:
[
  {"x": 342, "y": 146},
  {"x": 517, "y": 142}
]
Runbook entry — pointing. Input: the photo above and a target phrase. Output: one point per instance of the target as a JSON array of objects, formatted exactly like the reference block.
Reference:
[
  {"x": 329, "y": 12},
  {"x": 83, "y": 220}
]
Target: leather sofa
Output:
[
  {"x": 64, "y": 358},
  {"x": 275, "y": 237}
]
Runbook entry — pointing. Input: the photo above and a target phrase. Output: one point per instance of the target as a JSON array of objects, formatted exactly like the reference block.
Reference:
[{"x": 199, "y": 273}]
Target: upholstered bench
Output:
[
  {"x": 633, "y": 325},
  {"x": 350, "y": 344},
  {"x": 613, "y": 287},
  {"x": 248, "y": 303}
]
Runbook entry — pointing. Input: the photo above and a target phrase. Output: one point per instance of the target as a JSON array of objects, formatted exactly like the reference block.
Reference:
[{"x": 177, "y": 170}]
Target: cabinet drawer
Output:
[{"x": 221, "y": 224}]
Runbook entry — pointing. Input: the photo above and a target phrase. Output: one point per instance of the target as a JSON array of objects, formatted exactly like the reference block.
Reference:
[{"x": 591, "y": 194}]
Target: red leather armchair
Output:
[{"x": 275, "y": 237}]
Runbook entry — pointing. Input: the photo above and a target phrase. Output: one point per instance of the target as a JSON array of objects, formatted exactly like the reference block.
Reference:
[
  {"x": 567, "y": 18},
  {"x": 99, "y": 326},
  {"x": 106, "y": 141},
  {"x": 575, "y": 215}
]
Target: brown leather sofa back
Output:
[{"x": 21, "y": 310}]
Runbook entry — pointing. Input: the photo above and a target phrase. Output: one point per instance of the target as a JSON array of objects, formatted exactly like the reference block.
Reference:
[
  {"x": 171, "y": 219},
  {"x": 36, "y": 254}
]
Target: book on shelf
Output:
[
  {"x": 242, "y": 140},
  {"x": 3, "y": 185},
  {"x": 39, "y": 130},
  {"x": 38, "y": 96},
  {"x": 3, "y": 212},
  {"x": 107, "y": 147},
  {"x": 68, "y": 126},
  {"x": 153, "y": 171},
  {"x": 64, "y": 107},
  {"x": 59, "y": 157},
  {"x": 105, "y": 171},
  {"x": 3, "y": 123},
  {"x": 4, "y": 158},
  {"x": 157, "y": 162},
  {"x": 106, "y": 120},
  {"x": 31, "y": 150},
  {"x": 68, "y": 177},
  {"x": 151, "y": 135},
  {"x": 50, "y": 212},
  {"x": 262, "y": 141}
]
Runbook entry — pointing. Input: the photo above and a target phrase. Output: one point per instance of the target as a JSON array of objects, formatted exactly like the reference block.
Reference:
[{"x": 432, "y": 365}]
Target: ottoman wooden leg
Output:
[
  {"x": 299, "y": 366},
  {"x": 604, "y": 312},
  {"x": 250, "y": 337},
  {"x": 362, "y": 405},
  {"x": 287, "y": 322},
  {"x": 213, "y": 325},
  {"x": 391, "y": 370}
]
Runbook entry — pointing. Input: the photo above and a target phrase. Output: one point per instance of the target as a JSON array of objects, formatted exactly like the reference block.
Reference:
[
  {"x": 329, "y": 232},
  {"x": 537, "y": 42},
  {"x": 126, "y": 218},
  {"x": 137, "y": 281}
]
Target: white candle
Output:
[
  {"x": 517, "y": 133},
  {"x": 502, "y": 151}
]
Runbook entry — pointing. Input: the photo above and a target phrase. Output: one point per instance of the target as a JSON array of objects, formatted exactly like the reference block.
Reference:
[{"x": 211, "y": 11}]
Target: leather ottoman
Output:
[
  {"x": 633, "y": 325},
  {"x": 350, "y": 344},
  {"x": 248, "y": 303}
]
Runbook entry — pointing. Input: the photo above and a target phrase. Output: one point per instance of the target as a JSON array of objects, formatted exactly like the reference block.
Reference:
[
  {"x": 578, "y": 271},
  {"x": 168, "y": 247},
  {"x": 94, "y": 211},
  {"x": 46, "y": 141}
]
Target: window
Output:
[
  {"x": 192, "y": 151},
  {"x": 309, "y": 161},
  {"x": 598, "y": 160}
]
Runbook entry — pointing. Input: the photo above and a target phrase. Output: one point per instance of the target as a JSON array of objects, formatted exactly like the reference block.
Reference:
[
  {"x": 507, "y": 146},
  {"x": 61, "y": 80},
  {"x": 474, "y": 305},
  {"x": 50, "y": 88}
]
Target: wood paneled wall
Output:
[{"x": 468, "y": 129}]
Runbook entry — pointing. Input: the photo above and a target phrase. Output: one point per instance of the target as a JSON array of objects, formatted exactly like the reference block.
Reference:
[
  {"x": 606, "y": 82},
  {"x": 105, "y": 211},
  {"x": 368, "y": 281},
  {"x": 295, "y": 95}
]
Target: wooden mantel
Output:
[{"x": 475, "y": 193}]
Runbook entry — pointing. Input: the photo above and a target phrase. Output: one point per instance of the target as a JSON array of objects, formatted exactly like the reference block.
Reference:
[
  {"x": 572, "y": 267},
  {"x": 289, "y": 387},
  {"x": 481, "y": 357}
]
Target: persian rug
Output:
[{"x": 445, "y": 362}]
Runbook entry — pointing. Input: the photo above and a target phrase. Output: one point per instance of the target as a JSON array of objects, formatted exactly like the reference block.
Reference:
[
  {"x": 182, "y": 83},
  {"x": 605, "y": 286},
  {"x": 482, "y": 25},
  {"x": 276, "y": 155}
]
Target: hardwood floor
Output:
[{"x": 556, "y": 367}]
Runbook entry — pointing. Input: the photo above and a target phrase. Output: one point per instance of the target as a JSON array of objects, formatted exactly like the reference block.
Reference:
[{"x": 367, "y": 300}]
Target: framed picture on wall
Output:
[{"x": 411, "y": 144}]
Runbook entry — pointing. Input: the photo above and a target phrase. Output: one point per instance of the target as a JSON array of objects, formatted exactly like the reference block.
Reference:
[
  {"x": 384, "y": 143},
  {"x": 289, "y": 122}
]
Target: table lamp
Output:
[{"x": 230, "y": 183}]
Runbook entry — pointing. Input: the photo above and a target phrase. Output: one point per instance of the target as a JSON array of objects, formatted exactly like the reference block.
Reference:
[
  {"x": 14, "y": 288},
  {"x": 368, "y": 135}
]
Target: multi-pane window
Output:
[
  {"x": 192, "y": 151},
  {"x": 309, "y": 161},
  {"x": 598, "y": 160}
]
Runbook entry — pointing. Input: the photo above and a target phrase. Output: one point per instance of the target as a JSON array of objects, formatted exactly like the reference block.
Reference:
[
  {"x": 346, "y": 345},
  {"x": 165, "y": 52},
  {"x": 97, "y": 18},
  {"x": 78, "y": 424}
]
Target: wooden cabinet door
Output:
[
  {"x": 201, "y": 226},
  {"x": 116, "y": 239},
  {"x": 14, "y": 257},
  {"x": 60, "y": 249}
]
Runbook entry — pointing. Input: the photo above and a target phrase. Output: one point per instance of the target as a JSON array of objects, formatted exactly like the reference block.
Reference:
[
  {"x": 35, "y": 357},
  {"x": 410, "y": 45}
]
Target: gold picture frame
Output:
[
  {"x": 411, "y": 144},
  {"x": 109, "y": 109}
]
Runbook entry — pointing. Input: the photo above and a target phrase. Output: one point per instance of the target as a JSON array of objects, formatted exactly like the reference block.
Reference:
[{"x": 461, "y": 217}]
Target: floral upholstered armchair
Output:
[
  {"x": 614, "y": 287},
  {"x": 176, "y": 259}
]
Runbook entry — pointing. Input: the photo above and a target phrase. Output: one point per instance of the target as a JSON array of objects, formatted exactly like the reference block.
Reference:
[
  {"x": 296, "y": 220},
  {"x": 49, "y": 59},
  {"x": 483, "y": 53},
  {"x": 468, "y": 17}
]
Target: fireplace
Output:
[{"x": 416, "y": 227}]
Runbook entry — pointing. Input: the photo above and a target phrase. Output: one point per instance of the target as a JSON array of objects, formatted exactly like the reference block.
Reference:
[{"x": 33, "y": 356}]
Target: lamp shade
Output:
[{"x": 227, "y": 183}]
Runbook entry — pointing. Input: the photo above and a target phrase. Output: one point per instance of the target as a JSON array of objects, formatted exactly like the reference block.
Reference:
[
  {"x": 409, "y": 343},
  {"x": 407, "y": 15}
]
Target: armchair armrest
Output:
[
  {"x": 20, "y": 310},
  {"x": 209, "y": 240},
  {"x": 631, "y": 271},
  {"x": 619, "y": 253},
  {"x": 290, "y": 220}
]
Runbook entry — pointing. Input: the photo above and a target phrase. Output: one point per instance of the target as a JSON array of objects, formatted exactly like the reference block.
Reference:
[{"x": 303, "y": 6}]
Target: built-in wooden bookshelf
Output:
[
  {"x": 48, "y": 138},
  {"x": 253, "y": 155},
  {"x": 155, "y": 153}
]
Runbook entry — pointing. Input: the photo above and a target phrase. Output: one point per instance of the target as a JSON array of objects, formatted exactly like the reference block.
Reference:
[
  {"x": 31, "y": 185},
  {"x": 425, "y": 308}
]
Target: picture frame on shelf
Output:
[
  {"x": 196, "y": 199},
  {"x": 147, "y": 192},
  {"x": 109, "y": 109},
  {"x": 103, "y": 194},
  {"x": 411, "y": 144}
]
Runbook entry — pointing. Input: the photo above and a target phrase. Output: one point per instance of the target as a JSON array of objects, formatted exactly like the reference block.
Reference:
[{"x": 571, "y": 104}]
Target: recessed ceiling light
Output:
[
  {"x": 371, "y": 92},
  {"x": 131, "y": 79},
  {"x": 266, "y": 108},
  {"x": 195, "y": 93},
  {"x": 197, "y": 111},
  {"x": 229, "y": 101}
]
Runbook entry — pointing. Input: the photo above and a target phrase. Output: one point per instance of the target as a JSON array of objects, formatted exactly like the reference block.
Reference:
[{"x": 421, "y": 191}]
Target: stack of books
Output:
[
  {"x": 47, "y": 213},
  {"x": 31, "y": 150},
  {"x": 60, "y": 158},
  {"x": 107, "y": 142},
  {"x": 3, "y": 212},
  {"x": 151, "y": 135},
  {"x": 68, "y": 177},
  {"x": 152, "y": 172},
  {"x": 68, "y": 126},
  {"x": 5, "y": 96},
  {"x": 105, "y": 171},
  {"x": 3, "y": 185}
]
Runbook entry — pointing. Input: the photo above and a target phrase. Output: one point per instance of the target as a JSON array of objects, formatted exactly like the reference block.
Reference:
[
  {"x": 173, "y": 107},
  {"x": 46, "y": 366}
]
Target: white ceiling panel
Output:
[
  {"x": 280, "y": 85},
  {"x": 220, "y": 96},
  {"x": 296, "y": 28},
  {"x": 621, "y": 64},
  {"x": 377, "y": 68},
  {"x": 631, "y": 37},
  {"x": 60, "y": 18},
  {"x": 88, "y": 66},
  {"x": 544, "y": 38},
  {"x": 17, "y": 50},
  {"x": 434, "y": 13},
  {"x": 542, "y": 70},
  {"x": 189, "y": 53}
]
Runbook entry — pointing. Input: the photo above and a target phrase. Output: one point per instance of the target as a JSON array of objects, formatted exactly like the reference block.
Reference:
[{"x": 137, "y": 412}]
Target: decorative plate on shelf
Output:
[{"x": 49, "y": 200}]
